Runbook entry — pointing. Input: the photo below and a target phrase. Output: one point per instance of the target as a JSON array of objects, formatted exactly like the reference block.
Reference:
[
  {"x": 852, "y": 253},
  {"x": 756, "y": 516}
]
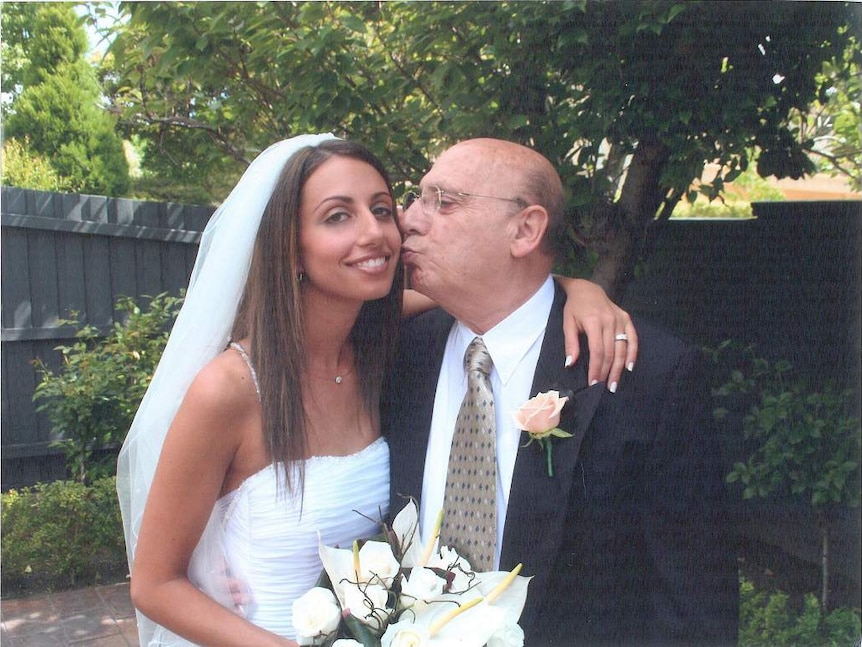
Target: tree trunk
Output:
[
  {"x": 639, "y": 201},
  {"x": 615, "y": 261}
]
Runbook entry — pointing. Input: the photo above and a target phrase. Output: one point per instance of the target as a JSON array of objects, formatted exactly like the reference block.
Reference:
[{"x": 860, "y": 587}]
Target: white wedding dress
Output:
[
  {"x": 271, "y": 543},
  {"x": 267, "y": 538}
]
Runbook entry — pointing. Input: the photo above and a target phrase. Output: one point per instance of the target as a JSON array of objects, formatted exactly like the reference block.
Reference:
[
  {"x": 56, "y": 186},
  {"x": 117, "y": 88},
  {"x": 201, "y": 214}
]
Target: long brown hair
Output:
[{"x": 271, "y": 312}]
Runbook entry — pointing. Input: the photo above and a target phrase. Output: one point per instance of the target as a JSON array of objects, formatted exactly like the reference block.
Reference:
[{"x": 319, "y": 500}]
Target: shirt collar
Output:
[{"x": 512, "y": 338}]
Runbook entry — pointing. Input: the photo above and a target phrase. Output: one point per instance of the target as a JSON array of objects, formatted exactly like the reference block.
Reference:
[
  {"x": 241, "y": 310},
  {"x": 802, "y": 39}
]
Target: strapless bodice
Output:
[{"x": 271, "y": 536}]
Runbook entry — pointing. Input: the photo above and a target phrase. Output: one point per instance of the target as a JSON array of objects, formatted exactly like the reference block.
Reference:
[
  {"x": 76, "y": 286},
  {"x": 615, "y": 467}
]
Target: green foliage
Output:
[
  {"x": 736, "y": 202},
  {"x": 629, "y": 100},
  {"x": 59, "y": 104},
  {"x": 92, "y": 398},
  {"x": 806, "y": 443},
  {"x": 833, "y": 122},
  {"x": 61, "y": 534},
  {"x": 16, "y": 22},
  {"x": 768, "y": 620},
  {"x": 28, "y": 170}
]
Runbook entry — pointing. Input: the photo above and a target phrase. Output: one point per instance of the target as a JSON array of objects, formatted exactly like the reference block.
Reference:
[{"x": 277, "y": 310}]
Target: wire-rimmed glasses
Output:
[{"x": 434, "y": 200}]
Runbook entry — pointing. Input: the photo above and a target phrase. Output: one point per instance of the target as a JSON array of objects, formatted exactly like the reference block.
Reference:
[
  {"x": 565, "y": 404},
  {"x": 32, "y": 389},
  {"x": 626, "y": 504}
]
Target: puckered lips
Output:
[{"x": 408, "y": 255}]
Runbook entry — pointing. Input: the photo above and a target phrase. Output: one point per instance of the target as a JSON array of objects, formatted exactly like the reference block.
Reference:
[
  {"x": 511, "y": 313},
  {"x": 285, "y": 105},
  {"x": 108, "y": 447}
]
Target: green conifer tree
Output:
[{"x": 57, "y": 103}]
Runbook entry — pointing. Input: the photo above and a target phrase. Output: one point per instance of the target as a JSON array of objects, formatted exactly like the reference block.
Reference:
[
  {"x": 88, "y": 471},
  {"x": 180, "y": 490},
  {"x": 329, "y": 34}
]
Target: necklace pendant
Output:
[{"x": 338, "y": 379}]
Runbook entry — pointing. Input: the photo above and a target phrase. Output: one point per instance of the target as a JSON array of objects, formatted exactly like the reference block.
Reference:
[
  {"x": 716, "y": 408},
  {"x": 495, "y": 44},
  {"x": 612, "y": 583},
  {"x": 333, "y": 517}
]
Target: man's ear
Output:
[{"x": 530, "y": 227}]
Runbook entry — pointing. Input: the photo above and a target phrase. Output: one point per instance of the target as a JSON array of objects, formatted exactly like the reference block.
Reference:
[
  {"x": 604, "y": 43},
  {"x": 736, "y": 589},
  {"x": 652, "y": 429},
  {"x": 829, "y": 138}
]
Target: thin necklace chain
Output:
[{"x": 339, "y": 377}]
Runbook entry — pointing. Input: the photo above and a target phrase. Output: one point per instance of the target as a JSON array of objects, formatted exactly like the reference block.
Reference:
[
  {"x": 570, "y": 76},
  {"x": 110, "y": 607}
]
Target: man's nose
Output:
[{"x": 411, "y": 218}]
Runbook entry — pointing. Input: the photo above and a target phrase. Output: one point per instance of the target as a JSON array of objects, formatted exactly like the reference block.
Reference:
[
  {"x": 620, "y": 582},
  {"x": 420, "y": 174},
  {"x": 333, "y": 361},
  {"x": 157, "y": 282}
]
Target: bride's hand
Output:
[{"x": 589, "y": 310}]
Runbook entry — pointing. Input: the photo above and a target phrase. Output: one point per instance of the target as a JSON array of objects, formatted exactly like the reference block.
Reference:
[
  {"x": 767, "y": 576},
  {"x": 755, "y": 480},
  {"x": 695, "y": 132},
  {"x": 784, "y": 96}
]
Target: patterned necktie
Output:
[{"x": 470, "y": 519}]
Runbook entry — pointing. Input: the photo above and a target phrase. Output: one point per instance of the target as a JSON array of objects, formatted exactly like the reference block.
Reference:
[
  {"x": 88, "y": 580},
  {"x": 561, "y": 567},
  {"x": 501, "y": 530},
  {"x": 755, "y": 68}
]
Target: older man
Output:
[{"x": 621, "y": 525}]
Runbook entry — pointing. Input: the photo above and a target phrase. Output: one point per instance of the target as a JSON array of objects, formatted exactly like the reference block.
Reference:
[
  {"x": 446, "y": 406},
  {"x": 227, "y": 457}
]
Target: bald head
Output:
[
  {"x": 519, "y": 170},
  {"x": 487, "y": 244}
]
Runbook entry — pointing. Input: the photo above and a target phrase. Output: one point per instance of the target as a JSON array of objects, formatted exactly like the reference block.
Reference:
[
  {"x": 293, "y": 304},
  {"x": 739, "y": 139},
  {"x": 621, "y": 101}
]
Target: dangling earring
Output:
[{"x": 301, "y": 277}]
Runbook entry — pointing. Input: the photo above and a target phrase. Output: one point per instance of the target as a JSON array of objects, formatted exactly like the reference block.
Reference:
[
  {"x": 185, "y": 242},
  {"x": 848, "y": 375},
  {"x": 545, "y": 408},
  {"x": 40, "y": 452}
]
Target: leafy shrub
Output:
[
  {"x": 768, "y": 620},
  {"x": 92, "y": 398},
  {"x": 805, "y": 443},
  {"x": 61, "y": 534},
  {"x": 28, "y": 170}
]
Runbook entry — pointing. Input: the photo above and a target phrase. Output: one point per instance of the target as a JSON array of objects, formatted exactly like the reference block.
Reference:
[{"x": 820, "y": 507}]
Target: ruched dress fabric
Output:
[
  {"x": 267, "y": 537},
  {"x": 271, "y": 537}
]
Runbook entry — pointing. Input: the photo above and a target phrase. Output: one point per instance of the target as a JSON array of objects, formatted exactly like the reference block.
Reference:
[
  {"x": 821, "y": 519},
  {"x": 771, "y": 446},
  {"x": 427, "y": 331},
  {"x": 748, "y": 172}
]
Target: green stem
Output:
[{"x": 548, "y": 447}]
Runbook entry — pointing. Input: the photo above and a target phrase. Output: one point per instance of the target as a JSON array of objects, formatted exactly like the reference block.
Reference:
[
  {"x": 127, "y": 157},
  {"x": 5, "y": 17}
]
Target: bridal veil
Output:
[{"x": 201, "y": 332}]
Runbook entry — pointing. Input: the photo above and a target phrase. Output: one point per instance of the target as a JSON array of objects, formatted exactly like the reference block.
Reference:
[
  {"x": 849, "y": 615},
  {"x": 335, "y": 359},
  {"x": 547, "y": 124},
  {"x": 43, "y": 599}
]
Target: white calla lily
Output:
[
  {"x": 405, "y": 526},
  {"x": 375, "y": 561},
  {"x": 450, "y": 621},
  {"x": 511, "y": 635}
]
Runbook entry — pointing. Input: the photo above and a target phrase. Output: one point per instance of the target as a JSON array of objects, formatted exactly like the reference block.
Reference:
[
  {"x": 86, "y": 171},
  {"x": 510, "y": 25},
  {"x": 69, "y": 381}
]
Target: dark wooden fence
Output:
[
  {"x": 63, "y": 254},
  {"x": 789, "y": 282}
]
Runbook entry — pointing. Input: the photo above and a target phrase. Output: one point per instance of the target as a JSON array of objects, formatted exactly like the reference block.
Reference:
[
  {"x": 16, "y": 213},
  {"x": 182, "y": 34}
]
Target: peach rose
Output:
[{"x": 540, "y": 415}]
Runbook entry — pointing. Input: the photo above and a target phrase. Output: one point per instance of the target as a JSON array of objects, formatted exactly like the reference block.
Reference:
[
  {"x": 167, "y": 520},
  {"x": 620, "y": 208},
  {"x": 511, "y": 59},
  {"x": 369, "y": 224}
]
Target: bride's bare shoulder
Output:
[{"x": 224, "y": 385}]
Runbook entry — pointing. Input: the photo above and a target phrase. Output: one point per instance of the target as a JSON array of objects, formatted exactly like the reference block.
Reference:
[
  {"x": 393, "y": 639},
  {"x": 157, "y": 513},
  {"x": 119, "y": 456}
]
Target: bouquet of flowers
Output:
[{"x": 402, "y": 592}]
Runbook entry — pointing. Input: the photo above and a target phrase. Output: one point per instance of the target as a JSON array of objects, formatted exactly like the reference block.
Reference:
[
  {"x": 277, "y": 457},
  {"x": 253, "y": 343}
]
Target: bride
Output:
[{"x": 259, "y": 435}]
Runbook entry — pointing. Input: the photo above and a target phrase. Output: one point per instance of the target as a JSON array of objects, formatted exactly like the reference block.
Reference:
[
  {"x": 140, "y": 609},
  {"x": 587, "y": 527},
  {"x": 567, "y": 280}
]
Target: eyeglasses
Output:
[{"x": 435, "y": 200}]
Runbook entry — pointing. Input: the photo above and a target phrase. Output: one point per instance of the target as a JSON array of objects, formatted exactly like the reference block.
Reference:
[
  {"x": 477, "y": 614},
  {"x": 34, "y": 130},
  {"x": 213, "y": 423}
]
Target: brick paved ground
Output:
[{"x": 100, "y": 616}]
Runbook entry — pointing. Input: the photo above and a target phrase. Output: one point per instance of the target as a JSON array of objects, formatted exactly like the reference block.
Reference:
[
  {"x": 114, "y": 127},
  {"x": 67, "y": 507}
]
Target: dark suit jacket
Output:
[{"x": 628, "y": 542}]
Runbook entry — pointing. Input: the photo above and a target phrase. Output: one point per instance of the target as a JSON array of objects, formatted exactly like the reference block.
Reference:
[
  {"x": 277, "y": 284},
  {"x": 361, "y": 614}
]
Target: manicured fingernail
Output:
[
  {"x": 569, "y": 360},
  {"x": 613, "y": 387},
  {"x": 594, "y": 382},
  {"x": 631, "y": 367}
]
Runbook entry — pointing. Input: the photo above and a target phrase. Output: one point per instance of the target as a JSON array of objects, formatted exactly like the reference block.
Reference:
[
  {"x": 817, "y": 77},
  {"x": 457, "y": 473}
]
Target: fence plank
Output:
[
  {"x": 64, "y": 252},
  {"x": 43, "y": 278},
  {"x": 16, "y": 310},
  {"x": 71, "y": 276},
  {"x": 123, "y": 267},
  {"x": 19, "y": 380},
  {"x": 97, "y": 285}
]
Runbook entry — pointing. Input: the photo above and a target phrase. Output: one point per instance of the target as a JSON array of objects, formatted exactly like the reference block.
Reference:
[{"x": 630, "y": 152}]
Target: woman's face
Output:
[{"x": 348, "y": 237}]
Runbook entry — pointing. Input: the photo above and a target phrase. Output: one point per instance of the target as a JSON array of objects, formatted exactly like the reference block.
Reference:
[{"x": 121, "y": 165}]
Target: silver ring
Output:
[{"x": 621, "y": 336}]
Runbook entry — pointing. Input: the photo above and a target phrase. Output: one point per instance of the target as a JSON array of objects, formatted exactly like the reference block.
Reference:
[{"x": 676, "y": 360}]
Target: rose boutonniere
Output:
[{"x": 539, "y": 417}]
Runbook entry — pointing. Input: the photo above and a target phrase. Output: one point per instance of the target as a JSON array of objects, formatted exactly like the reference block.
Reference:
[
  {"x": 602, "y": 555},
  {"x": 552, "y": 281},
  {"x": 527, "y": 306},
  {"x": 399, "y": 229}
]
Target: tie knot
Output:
[{"x": 477, "y": 357}]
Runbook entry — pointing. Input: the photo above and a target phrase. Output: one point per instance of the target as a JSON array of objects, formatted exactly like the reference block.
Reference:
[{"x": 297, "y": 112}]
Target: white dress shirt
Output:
[{"x": 514, "y": 346}]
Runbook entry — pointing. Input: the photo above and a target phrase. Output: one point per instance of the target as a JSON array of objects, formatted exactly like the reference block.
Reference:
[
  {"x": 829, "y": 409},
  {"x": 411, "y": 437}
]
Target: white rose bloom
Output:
[
  {"x": 421, "y": 586},
  {"x": 405, "y": 634},
  {"x": 315, "y": 614},
  {"x": 377, "y": 563},
  {"x": 510, "y": 635},
  {"x": 367, "y": 603}
]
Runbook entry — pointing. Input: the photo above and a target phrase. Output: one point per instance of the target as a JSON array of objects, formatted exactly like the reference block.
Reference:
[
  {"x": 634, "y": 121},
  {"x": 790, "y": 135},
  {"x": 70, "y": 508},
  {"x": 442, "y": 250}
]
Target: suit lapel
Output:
[
  {"x": 538, "y": 503},
  {"x": 410, "y": 439}
]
